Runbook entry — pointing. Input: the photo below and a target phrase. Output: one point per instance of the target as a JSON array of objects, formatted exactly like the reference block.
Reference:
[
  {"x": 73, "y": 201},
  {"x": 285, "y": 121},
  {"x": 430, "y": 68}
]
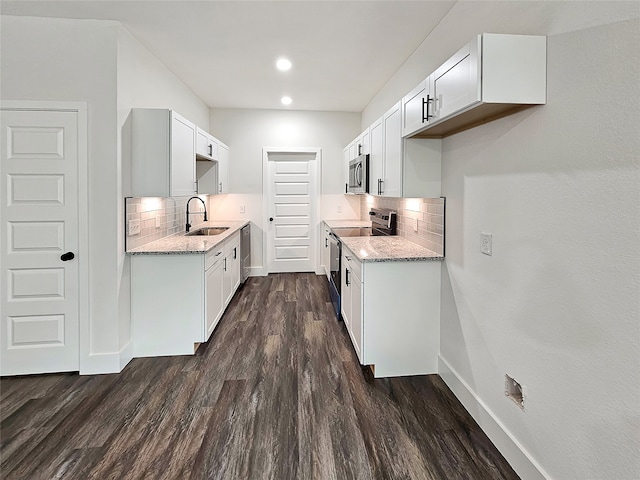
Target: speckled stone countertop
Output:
[
  {"x": 347, "y": 223},
  {"x": 388, "y": 249},
  {"x": 182, "y": 244}
]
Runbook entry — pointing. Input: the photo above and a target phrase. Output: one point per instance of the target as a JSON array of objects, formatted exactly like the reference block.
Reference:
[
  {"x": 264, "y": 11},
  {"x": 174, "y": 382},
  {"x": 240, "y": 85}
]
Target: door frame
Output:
[
  {"x": 80, "y": 108},
  {"x": 265, "y": 199}
]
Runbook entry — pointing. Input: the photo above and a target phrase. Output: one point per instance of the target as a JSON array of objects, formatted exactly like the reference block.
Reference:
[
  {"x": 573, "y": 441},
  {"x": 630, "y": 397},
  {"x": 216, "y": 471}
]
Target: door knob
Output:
[
  {"x": 271, "y": 219},
  {"x": 67, "y": 256}
]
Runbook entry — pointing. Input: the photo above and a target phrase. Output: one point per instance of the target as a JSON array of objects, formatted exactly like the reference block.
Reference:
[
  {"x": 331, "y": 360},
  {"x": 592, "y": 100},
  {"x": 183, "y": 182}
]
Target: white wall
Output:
[
  {"x": 100, "y": 63},
  {"x": 248, "y": 131},
  {"x": 57, "y": 59},
  {"x": 142, "y": 82},
  {"x": 556, "y": 306}
]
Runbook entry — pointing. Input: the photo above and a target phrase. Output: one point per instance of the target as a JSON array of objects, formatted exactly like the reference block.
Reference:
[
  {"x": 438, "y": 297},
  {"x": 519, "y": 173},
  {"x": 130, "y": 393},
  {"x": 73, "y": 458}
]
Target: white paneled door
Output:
[
  {"x": 39, "y": 242},
  {"x": 292, "y": 224}
]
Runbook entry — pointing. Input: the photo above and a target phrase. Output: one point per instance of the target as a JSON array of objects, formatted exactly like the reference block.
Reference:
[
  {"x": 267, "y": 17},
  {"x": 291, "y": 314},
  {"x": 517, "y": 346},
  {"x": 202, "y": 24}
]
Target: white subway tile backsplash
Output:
[
  {"x": 430, "y": 216},
  {"x": 172, "y": 213}
]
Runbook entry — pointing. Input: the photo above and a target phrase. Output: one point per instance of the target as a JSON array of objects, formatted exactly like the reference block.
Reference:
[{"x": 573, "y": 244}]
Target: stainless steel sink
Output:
[{"x": 209, "y": 231}]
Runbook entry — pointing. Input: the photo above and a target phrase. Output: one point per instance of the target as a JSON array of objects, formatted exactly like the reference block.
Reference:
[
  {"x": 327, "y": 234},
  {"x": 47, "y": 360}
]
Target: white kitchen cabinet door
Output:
[
  {"x": 326, "y": 252},
  {"x": 223, "y": 168},
  {"x": 183, "y": 156},
  {"x": 346, "y": 157},
  {"x": 345, "y": 292},
  {"x": 392, "y": 182},
  {"x": 356, "y": 324},
  {"x": 231, "y": 268},
  {"x": 417, "y": 108},
  {"x": 456, "y": 84},
  {"x": 163, "y": 154},
  {"x": 214, "y": 301},
  {"x": 206, "y": 145},
  {"x": 351, "y": 300},
  {"x": 376, "y": 157},
  {"x": 235, "y": 268},
  {"x": 363, "y": 143}
]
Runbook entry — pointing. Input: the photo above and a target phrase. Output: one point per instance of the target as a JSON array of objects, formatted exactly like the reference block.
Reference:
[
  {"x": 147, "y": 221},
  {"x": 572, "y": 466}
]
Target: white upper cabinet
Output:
[
  {"x": 376, "y": 157},
  {"x": 346, "y": 158},
  {"x": 163, "y": 154},
  {"x": 402, "y": 167},
  {"x": 392, "y": 179},
  {"x": 223, "y": 168},
  {"x": 212, "y": 166},
  {"x": 417, "y": 108},
  {"x": 492, "y": 76},
  {"x": 206, "y": 145}
]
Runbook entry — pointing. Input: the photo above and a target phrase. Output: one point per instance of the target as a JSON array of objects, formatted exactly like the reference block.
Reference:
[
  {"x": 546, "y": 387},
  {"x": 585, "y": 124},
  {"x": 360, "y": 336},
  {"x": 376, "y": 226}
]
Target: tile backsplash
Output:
[
  {"x": 429, "y": 213},
  {"x": 159, "y": 218}
]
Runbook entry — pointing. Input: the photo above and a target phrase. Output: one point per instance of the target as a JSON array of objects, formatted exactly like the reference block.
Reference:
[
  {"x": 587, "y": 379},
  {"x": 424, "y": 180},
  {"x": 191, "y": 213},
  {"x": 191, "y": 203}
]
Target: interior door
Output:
[
  {"x": 39, "y": 276},
  {"x": 291, "y": 229}
]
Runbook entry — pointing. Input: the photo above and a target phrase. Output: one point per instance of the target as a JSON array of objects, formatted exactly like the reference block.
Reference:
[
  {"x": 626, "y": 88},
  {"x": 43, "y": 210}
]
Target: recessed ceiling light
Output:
[
  {"x": 286, "y": 100},
  {"x": 283, "y": 64}
]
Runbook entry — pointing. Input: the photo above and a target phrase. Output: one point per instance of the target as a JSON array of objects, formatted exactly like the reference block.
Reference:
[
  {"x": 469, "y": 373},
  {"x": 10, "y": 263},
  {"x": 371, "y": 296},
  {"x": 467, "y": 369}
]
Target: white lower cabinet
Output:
[
  {"x": 214, "y": 295},
  {"x": 231, "y": 267},
  {"x": 326, "y": 251},
  {"x": 392, "y": 313},
  {"x": 351, "y": 300},
  {"x": 177, "y": 300}
]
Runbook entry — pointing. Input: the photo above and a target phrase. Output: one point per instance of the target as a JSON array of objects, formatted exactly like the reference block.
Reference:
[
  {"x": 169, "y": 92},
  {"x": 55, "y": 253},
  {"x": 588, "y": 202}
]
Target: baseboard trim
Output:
[
  {"x": 521, "y": 461},
  {"x": 100, "y": 363},
  {"x": 126, "y": 354},
  {"x": 103, "y": 363},
  {"x": 259, "y": 272}
]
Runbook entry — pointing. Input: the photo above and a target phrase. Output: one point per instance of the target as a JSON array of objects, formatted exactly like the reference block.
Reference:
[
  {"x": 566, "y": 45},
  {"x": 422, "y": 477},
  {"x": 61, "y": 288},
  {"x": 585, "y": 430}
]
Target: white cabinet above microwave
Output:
[{"x": 492, "y": 76}]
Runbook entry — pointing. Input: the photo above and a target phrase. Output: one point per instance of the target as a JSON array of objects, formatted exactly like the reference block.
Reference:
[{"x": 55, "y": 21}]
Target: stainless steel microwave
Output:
[{"x": 359, "y": 175}]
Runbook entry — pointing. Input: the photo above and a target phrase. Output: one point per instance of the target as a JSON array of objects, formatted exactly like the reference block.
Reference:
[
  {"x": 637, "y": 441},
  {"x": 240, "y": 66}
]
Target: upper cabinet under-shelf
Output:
[{"x": 492, "y": 76}]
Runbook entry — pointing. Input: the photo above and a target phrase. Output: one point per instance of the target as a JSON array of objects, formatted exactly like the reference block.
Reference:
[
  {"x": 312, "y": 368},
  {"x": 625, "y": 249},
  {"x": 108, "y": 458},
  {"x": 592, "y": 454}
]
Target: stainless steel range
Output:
[{"x": 384, "y": 222}]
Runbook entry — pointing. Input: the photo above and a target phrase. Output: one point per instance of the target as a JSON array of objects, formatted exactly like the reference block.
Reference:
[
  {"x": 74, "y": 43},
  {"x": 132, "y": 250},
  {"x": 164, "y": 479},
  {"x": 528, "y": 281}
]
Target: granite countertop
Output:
[
  {"x": 347, "y": 223},
  {"x": 388, "y": 249},
  {"x": 182, "y": 244}
]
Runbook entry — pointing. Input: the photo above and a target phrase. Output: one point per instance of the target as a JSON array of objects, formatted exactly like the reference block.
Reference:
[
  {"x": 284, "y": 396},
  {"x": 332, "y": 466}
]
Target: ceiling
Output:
[{"x": 343, "y": 52}]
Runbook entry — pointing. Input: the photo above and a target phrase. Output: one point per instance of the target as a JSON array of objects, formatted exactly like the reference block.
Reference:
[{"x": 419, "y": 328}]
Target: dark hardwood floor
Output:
[{"x": 276, "y": 393}]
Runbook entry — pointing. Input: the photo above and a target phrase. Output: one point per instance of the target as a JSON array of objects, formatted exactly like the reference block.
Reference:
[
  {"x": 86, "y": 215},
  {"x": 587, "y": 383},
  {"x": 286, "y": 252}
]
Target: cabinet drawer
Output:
[
  {"x": 212, "y": 257},
  {"x": 353, "y": 264}
]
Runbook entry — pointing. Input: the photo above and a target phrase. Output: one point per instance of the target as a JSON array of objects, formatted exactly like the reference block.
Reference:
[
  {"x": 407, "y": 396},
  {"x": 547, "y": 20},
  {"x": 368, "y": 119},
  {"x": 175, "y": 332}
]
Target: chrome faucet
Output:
[{"x": 205, "y": 211}]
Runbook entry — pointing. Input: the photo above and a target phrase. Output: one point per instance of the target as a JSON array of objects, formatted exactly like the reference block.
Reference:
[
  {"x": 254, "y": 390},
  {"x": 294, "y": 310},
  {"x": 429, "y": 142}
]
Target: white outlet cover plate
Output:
[
  {"x": 134, "y": 227},
  {"x": 486, "y": 244}
]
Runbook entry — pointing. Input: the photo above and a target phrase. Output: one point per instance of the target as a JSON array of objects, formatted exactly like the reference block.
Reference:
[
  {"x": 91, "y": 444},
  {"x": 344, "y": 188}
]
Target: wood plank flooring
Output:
[{"x": 276, "y": 393}]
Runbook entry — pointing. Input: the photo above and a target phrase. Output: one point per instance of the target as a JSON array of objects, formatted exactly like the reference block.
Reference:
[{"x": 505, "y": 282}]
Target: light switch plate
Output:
[
  {"x": 241, "y": 208},
  {"x": 414, "y": 223},
  {"x": 157, "y": 221},
  {"x": 485, "y": 246}
]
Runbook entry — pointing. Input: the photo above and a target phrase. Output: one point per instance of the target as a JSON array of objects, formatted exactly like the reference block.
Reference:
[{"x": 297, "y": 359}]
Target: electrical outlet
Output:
[
  {"x": 485, "y": 246},
  {"x": 339, "y": 208},
  {"x": 157, "y": 221},
  {"x": 414, "y": 223},
  {"x": 134, "y": 227},
  {"x": 241, "y": 208}
]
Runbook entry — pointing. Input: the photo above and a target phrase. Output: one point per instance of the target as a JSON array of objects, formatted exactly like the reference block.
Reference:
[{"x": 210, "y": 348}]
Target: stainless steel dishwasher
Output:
[{"x": 245, "y": 252}]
